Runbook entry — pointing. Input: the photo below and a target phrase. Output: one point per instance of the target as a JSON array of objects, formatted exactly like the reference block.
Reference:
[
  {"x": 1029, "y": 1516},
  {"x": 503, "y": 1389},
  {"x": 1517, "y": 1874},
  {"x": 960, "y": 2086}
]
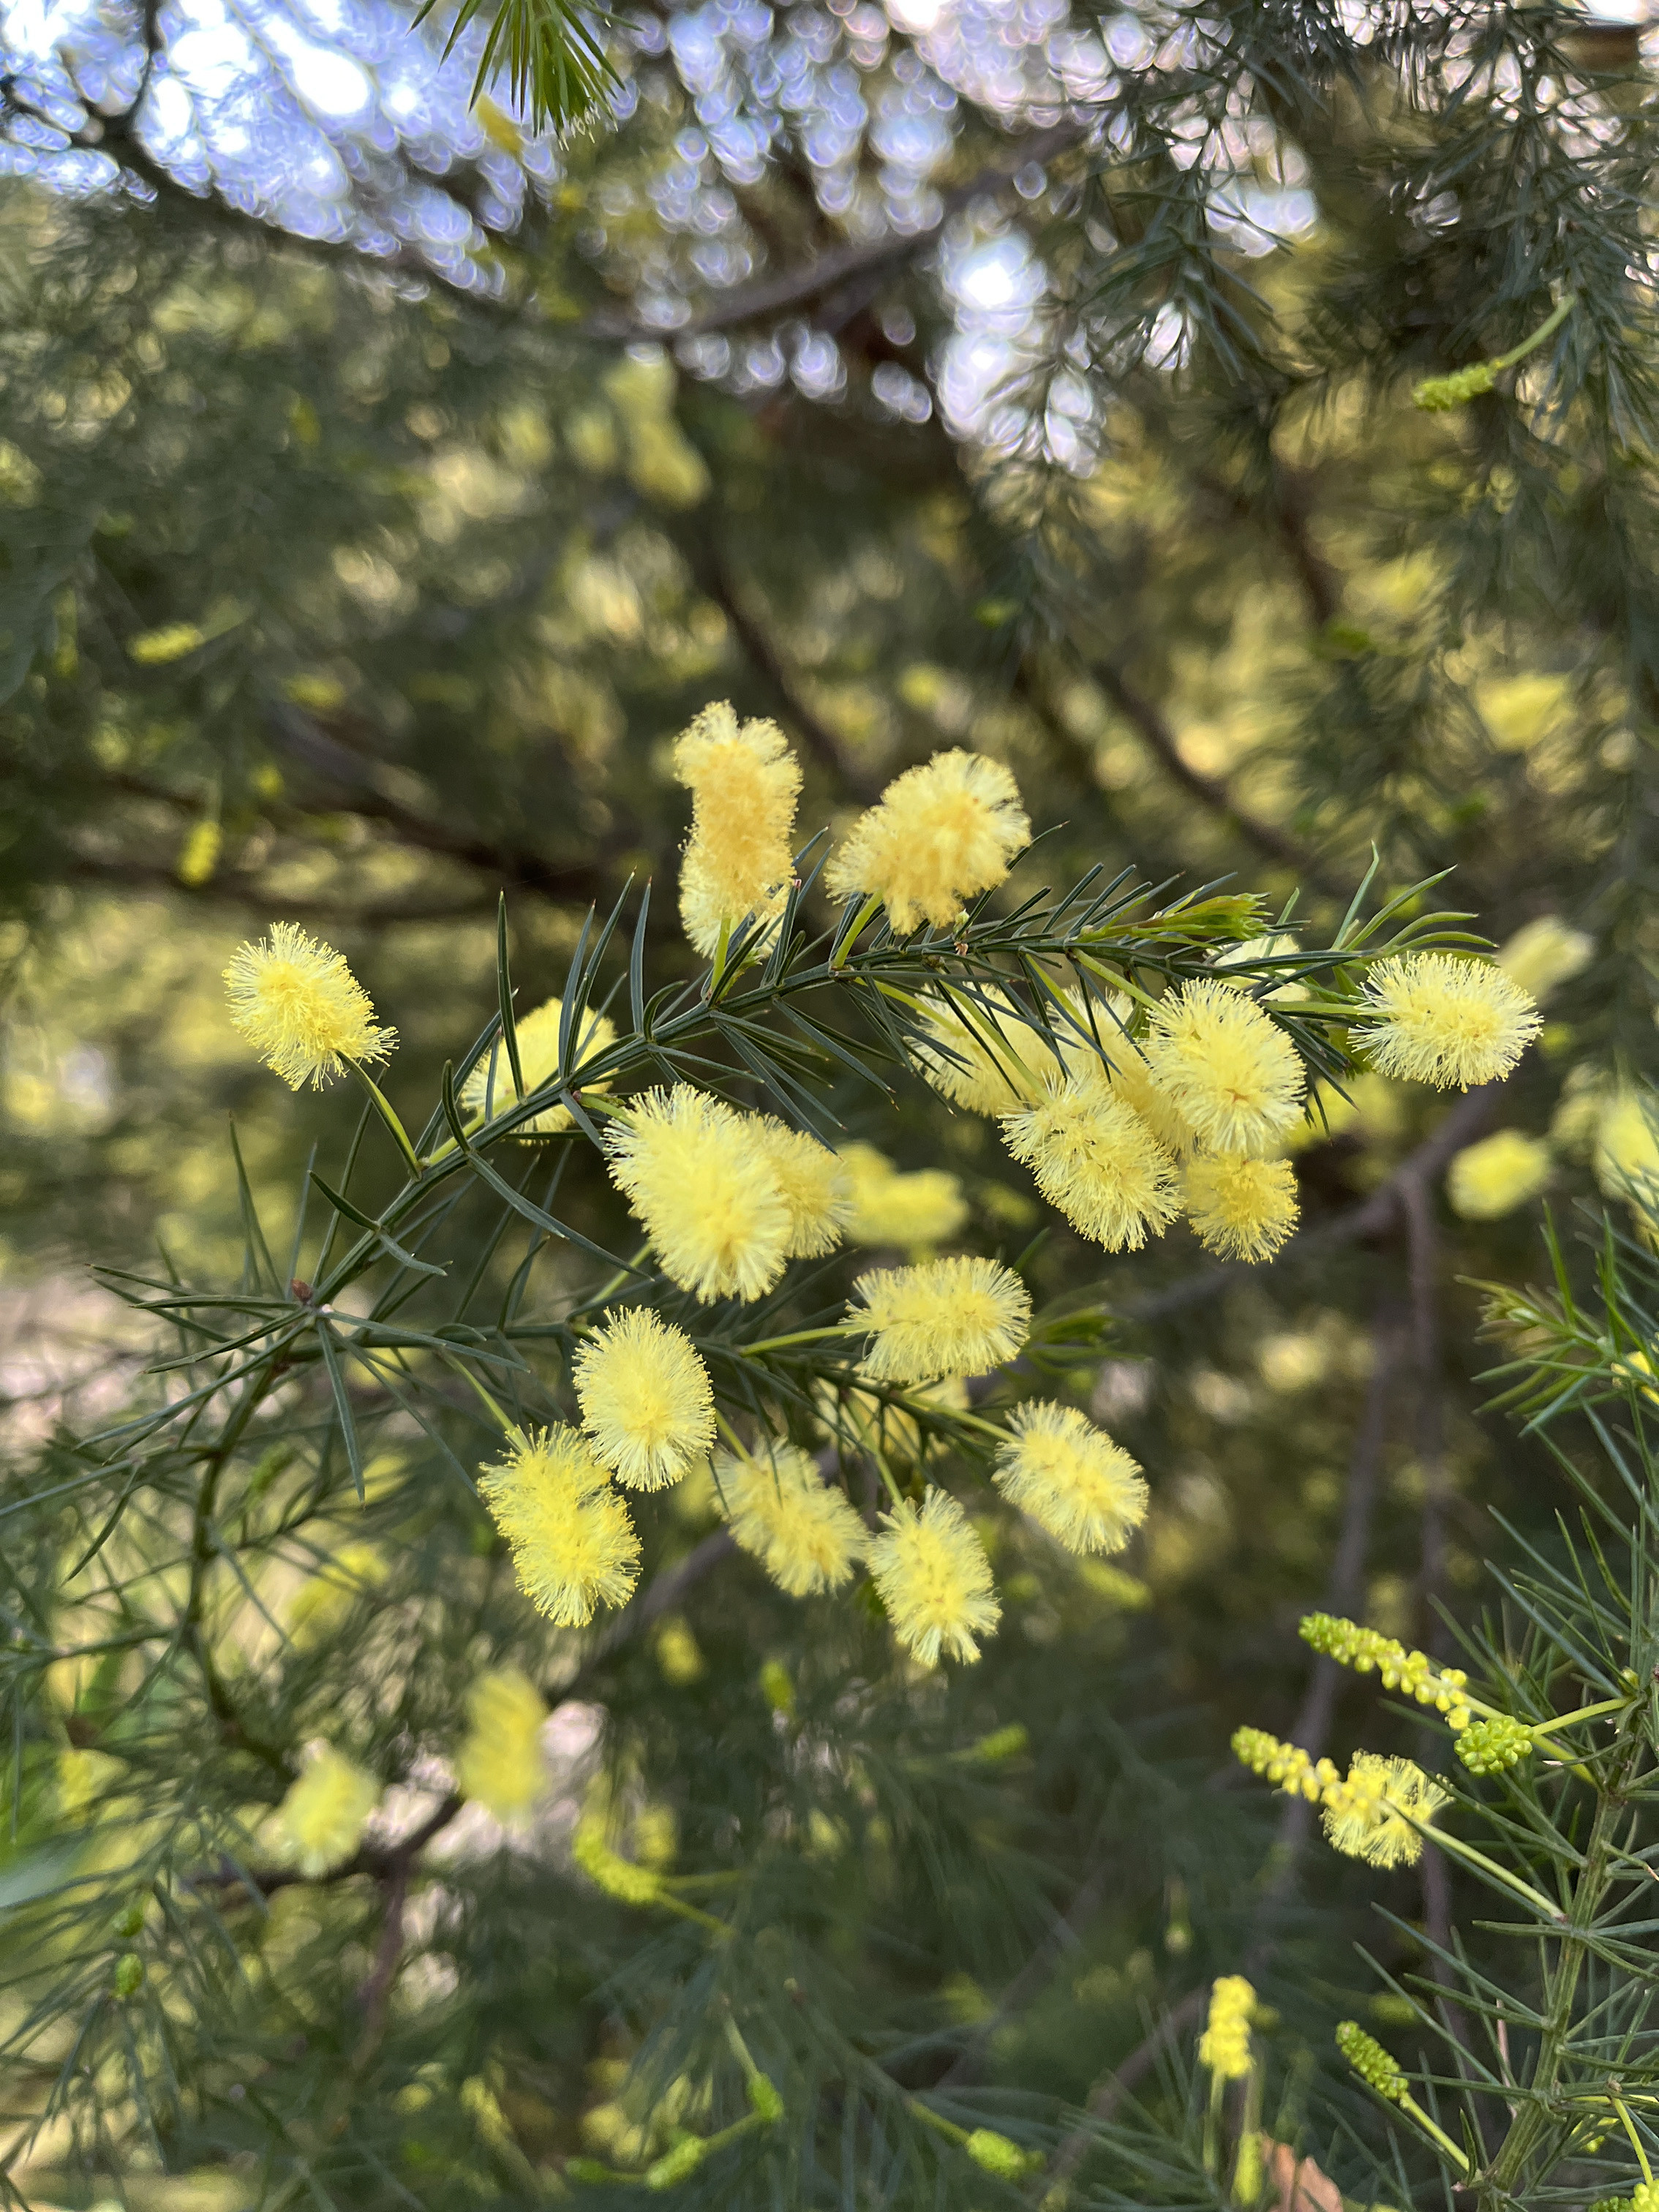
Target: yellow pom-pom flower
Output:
[
  {"x": 946, "y": 1317},
  {"x": 1070, "y": 1478},
  {"x": 744, "y": 782},
  {"x": 1496, "y": 1176},
  {"x": 889, "y": 1207},
  {"x": 1447, "y": 1022},
  {"x": 1227, "y": 1069},
  {"x": 705, "y": 1192},
  {"x": 573, "y": 1544},
  {"x": 322, "y": 1819},
  {"x": 815, "y": 1184},
  {"x": 982, "y": 1051},
  {"x": 1097, "y": 1162},
  {"x": 932, "y": 1577},
  {"x": 1224, "y": 2045},
  {"x": 1130, "y": 1079},
  {"x": 1545, "y": 954},
  {"x": 939, "y": 835},
  {"x": 646, "y": 1400},
  {"x": 301, "y": 1008},
  {"x": 801, "y": 1528},
  {"x": 1369, "y": 1815},
  {"x": 1242, "y": 1209},
  {"x": 500, "y": 1764},
  {"x": 539, "y": 1060}
]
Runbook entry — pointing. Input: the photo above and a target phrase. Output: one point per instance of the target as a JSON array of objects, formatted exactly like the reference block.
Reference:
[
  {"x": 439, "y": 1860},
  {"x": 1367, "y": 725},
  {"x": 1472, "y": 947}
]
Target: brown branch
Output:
[
  {"x": 1210, "y": 791},
  {"x": 827, "y": 272},
  {"x": 1423, "y": 1255},
  {"x": 715, "y": 578},
  {"x": 248, "y": 891},
  {"x": 376, "y": 1993},
  {"x": 306, "y": 740}
]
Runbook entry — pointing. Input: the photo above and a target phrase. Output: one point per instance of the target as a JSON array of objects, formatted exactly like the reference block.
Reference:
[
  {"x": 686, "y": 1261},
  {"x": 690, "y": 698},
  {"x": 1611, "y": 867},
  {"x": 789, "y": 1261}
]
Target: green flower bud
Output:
[
  {"x": 1438, "y": 395},
  {"x": 128, "y": 1975},
  {"x": 1376, "y": 2067},
  {"x": 1644, "y": 2197},
  {"x": 1491, "y": 1747},
  {"x": 996, "y": 2155},
  {"x": 763, "y": 2097},
  {"x": 678, "y": 2164},
  {"x": 591, "y": 2169},
  {"x": 128, "y": 1923}
]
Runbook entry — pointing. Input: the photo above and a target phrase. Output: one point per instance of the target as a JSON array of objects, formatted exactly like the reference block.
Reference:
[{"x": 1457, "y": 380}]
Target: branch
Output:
[
  {"x": 249, "y": 891},
  {"x": 715, "y": 576},
  {"x": 306, "y": 741},
  {"x": 388, "y": 1862},
  {"x": 827, "y": 272},
  {"x": 1209, "y": 790}
]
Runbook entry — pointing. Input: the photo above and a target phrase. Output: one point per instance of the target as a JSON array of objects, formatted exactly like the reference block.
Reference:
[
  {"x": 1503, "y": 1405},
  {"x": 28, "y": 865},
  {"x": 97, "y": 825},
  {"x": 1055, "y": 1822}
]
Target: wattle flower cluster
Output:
[
  {"x": 1445, "y": 1688},
  {"x": 1375, "y": 1812}
]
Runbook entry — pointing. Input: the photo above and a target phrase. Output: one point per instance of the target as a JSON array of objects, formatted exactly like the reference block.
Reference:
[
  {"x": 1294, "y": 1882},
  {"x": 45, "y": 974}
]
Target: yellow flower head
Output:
[
  {"x": 1131, "y": 1080},
  {"x": 801, "y": 1528},
  {"x": 573, "y": 1544},
  {"x": 944, "y": 1317},
  {"x": 1242, "y": 1208},
  {"x": 646, "y": 1400},
  {"x": 1365, "y": 1815},
  {"x": 1448, "y": 1021},
  {"x": 1545, "y": 954},
  {"x": 1227, "y": 1069},
  {"x": 1224, "y": 2045},
  {"x": 1496, "y": 1176},
  {"x": 744, "y": 782},
  {"x": 500, "y": 1764},
  {"x": 301, "y": 1008},
  {"x": 1070, "y": 1478},
  {"x": 706, "y": 1192},
  {"x": 892, "y": 1208},
  {"x": 538, "y": 1058},
  {"x": 938, "y": 835},
  {"x": 1096, "y": 1161},
  {"x": 982, "y": 1050},
  {"x": 931, "y": 1575},
  {"x": 324, "y": 1814},
  {"x": 814, "y": 1182}
]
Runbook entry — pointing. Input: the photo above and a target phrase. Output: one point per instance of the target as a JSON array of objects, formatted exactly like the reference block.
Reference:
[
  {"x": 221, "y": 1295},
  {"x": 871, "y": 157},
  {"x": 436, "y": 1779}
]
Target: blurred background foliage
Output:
[{"x": 382, "y": 488}]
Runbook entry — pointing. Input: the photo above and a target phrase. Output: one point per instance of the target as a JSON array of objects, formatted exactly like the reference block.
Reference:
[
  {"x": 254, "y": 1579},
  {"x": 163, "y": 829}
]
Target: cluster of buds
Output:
[
  {"x": 1285, "y": 1764},
  {"x": 1377, "y": 2068},
  {"x": 1492, "y": 1746},
  {"x": 1445, "y": 1688}
]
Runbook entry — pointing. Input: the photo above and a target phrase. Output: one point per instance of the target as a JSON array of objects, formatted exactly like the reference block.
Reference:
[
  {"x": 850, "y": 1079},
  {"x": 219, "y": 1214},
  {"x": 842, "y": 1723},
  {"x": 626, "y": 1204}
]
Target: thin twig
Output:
[{"x": 1210, "y": 791}]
